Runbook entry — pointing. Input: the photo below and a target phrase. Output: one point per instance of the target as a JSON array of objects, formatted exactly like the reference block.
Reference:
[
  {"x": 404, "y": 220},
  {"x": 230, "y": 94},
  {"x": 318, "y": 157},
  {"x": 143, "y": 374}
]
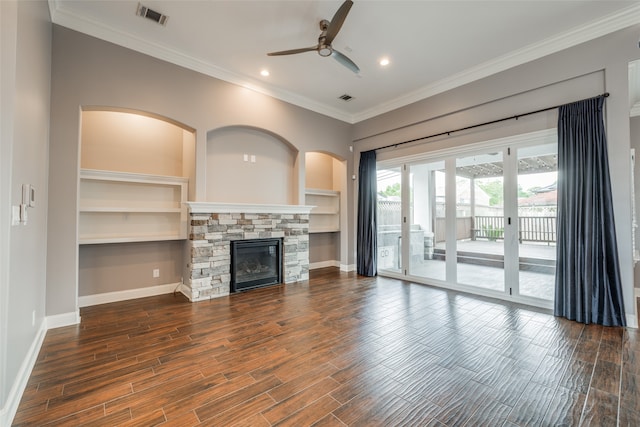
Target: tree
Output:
[
  {"x": 495, "y": 191},
  {"x": 523, "y": 193},
  {"x": 391, "y": 190}
]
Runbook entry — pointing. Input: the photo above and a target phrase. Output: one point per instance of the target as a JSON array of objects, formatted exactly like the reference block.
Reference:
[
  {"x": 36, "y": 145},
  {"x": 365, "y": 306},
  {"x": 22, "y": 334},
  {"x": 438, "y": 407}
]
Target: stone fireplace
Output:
[{"x": 213, "y": 226}]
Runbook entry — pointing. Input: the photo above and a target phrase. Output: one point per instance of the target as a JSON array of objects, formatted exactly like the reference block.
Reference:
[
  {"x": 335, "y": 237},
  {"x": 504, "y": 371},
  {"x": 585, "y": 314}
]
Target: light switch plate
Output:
[
  {"x": 15, "y": 215},
  {"x": 23, "y": 214}
]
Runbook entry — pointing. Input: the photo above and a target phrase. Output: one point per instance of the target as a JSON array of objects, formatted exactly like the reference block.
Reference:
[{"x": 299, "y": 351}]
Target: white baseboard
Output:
[
  {"x": 332, "y": 263},
  {"x": 64, "y": 319},
  {"x": 347, "y": 267},
  {"x": 8, "y": 412},
  {"x": 17, "y": 389},
  {"x": 88, "y": 300},
  {"x": 324, "y": 264}
]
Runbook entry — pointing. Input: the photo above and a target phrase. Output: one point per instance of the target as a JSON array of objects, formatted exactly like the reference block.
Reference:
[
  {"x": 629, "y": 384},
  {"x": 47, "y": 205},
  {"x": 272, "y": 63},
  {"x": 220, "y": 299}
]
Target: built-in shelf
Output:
[
  {"x": 325, "y": 214},
  {"x": 117, "y": 207}
]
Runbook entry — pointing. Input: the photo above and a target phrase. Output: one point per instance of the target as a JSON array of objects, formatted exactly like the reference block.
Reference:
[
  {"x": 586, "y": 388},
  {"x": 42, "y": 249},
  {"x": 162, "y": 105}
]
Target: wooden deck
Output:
[
  {"x": 337, "y": 350},
  {"x": 526, "y": 250}
]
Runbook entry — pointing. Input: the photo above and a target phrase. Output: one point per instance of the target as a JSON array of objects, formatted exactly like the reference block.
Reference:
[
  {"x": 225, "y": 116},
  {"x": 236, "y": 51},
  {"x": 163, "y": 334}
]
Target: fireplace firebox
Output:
[{"x": 255, "y": 263}]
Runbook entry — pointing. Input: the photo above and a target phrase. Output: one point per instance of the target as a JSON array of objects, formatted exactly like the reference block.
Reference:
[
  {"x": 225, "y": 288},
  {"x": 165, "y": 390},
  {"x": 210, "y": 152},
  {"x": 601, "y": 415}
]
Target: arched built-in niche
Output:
[
  {"x": 136, "y": 169},
  {"x": 325, "y": 188},
  {"x": 250, "y": 165},
  {"x": 139, "y": 142}
]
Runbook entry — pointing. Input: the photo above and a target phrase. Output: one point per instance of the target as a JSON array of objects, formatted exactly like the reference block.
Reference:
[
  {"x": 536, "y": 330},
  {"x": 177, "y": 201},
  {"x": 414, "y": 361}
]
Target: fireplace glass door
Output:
[{"x": 255, "y": 263}]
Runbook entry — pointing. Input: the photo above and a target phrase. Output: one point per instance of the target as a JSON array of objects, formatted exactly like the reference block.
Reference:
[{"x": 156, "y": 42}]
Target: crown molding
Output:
[
  {"x": 608, "y": 24},
  {"x": 616, "y": 21},
  {"x": 97, "y": 29}
]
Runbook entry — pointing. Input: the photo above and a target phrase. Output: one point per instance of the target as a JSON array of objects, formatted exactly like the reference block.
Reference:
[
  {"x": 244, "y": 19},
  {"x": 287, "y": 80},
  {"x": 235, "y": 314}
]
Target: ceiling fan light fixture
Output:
[
  {"x": 329, "y": 31},
  {"x": 264, "y": 73}
]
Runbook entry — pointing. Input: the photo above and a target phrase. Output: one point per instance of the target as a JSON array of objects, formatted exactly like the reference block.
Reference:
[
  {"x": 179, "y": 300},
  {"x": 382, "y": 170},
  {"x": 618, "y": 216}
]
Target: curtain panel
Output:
[
  {"x": 588, "y": 286},
  {"x": 367, "y": 244}
]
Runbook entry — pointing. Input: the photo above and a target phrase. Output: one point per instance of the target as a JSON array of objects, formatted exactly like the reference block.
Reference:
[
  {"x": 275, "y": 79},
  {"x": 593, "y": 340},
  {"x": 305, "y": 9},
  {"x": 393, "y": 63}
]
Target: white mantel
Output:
[{"x": 251, "y": 208}]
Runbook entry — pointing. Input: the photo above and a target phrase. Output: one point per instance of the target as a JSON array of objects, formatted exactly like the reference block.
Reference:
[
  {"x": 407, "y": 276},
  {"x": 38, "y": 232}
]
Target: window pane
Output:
[
  {"x": 427, "y": 220},
  {"x": 389, "y": 219},
  {"x": 480, "y": 221},
  {"x": 537, "y": 212}
]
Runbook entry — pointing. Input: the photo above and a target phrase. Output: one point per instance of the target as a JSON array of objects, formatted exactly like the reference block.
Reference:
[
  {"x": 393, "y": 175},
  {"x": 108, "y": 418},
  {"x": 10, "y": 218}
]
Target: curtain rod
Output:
[{"x": 516, "y": 117}]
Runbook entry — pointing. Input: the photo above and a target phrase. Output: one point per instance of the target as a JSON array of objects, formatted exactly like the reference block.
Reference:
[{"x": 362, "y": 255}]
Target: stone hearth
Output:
[{"x": 211, "y": 228}]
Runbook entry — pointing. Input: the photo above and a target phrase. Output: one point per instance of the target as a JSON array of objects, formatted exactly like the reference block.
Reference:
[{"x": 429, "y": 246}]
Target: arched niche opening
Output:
[
  {"x": 130, "y": 210},
  {"x": 250, "y": 165},
  {"x": 325, "y": 188},
  {"x": 123, "y": 140}
]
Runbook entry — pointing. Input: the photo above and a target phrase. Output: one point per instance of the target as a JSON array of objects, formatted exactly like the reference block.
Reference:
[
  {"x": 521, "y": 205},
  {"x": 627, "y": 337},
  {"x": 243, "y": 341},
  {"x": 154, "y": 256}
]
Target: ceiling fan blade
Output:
[
  {"x": 345, "y": 61},
  {"x": 293, "y": 51},
  {"x": 337, "y": 21}
]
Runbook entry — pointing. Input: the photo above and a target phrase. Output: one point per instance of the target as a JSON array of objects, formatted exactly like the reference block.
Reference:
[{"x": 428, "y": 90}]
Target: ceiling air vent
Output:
[
  {"x": 157, "y": 17},
  {"x": 345, "y": 97}
]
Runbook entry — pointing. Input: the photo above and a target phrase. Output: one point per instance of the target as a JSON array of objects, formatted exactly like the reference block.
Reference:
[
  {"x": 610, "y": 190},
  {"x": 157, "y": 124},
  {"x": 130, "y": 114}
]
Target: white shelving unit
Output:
[
  {"x": 325, "y": 216},
  {"x": 129, "y": 207}
]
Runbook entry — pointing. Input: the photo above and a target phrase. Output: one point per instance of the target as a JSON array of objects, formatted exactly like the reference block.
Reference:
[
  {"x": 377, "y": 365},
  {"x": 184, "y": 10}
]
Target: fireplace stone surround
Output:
[{"x": 211, "y": 228}]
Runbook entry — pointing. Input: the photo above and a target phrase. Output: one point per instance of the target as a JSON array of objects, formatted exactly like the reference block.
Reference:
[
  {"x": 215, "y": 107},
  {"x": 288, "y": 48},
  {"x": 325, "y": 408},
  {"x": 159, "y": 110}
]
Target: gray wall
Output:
[
  {"x": 124, "y": 266},
  {"x": 582, "y": 71},
  {"x": 324, "y": 247},
  {"x": 26, "y": 62},
  {"x": 268, "y": 180},
  {"x": 635, "y": 143},
  {"x": 90, "y": 72}
]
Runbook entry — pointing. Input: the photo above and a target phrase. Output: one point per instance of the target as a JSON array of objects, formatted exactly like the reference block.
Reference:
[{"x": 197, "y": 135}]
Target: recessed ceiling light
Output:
[
  {"x": 384, "y": 62},
  {"x": 264, "y": 73}
]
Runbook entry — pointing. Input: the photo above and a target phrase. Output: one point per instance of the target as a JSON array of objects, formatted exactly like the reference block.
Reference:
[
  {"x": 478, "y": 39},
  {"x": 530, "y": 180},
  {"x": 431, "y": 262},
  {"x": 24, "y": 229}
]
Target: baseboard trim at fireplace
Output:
[
  {"x": 89, "y": 300},
  {"x": 324, "y": 264}
]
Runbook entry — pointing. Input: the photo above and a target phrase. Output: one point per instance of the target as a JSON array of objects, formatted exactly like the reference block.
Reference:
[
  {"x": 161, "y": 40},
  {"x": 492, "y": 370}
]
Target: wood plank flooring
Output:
[{"x": 336, "y": 350}]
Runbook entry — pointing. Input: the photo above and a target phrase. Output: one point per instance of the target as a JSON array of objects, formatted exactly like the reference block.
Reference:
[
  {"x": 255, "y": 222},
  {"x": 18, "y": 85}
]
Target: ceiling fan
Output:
[{"x": 329, "y": 31}]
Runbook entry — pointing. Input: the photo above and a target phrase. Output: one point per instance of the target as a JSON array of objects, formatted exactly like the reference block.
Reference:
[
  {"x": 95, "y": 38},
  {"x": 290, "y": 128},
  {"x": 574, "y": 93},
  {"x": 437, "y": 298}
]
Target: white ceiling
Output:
[{"x": 433, "y": 46}]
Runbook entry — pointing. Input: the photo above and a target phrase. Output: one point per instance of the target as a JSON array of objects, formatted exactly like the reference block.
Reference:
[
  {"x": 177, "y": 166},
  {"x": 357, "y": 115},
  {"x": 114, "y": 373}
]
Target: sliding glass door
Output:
[
  {"x": 481, "y": 220},
  {"x": 390, "y": 219},
  {"x": 427, "y": 209},
  {"x": 537, "y": 213}
]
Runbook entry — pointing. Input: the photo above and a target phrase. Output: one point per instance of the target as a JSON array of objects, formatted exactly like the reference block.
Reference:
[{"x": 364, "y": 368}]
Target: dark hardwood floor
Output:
[{"x": 337, "y": 350}]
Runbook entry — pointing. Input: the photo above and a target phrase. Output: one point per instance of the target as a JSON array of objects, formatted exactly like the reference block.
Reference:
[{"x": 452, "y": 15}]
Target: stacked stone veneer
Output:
[{"x": 210, "y": 234}]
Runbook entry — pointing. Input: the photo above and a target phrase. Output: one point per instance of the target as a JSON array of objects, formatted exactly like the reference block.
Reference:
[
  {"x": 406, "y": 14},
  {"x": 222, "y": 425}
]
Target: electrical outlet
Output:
[{"x": 156, "y": 272}]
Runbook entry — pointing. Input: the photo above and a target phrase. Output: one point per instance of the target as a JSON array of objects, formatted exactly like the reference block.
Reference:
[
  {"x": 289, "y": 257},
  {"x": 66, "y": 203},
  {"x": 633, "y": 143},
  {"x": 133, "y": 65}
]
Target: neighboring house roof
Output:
[{"x": 548, "y": 198}]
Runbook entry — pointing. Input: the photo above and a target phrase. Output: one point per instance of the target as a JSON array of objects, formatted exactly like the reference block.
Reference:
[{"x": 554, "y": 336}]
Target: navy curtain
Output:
[
  {"x": 367, "y": 244},
  {"x": 588, "y": 286}
]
